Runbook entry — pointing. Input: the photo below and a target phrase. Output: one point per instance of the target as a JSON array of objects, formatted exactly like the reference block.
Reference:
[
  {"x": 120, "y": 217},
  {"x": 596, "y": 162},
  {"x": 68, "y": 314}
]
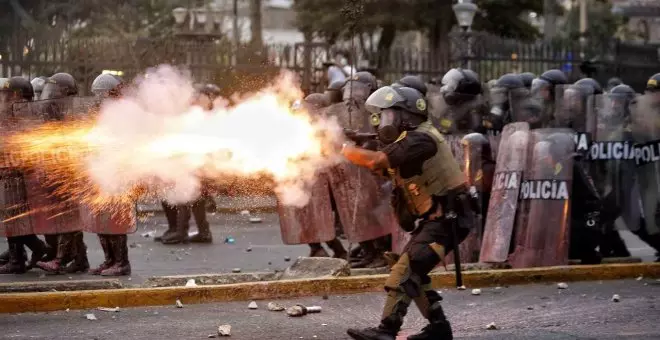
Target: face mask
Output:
[{"x": 388, "y": 130}]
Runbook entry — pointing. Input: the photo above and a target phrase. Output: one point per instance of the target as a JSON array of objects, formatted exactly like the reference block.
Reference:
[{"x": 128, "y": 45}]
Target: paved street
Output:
[
  {"x": 267, "y": 253},
  {"x": 583, "y": 311}
]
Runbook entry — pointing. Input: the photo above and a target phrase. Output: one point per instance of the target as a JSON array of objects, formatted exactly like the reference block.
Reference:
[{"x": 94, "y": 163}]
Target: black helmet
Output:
[
  {"x": 510, "y": 81},
  {"x": 527, "y": 79},
  {"x": 333, "y": 92},
  {"x": 460, "y": 85},
  {"x": 19, "y": 86},
  {"x": 365, "y": 78},
  {"x": 590, "y": 85},
  {"x": 104, "y": 84},
  {"x": 412, "y": 82},
  {"x": 612, "y": 82},
  {"x": 624, "y": 92},
  {"x": 59, "y": 85},
  {"x": 316, "y": 101},
  {"x": 548, "y": 80},
  {"x": 405, "y": 98},
  {"x": 211, "y": 90},
  {"x": 653, "y": 84}
]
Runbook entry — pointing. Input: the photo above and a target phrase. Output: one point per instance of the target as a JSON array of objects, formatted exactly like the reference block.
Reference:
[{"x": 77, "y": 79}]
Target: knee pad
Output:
[{"x": 402, "y": 278}]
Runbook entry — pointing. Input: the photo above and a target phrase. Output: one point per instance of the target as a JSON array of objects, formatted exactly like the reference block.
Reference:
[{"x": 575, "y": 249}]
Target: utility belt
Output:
[{"x": 457, "y": 202}]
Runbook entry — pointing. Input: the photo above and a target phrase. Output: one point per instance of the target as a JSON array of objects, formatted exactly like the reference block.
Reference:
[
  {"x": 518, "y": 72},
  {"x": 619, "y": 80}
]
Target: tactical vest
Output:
[{"x": 440, "y": 174}]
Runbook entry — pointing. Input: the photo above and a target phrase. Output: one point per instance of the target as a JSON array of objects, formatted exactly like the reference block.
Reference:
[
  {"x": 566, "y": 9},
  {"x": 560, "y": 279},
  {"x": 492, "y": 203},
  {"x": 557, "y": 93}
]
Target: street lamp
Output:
[
  {"x": 179, "y": 15},
  {"x": 464, "y": 11}
]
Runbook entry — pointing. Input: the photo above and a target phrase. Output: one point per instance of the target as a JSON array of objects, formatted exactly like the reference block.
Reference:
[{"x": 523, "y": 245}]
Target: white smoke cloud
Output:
[{"x": 153, "y": 137}]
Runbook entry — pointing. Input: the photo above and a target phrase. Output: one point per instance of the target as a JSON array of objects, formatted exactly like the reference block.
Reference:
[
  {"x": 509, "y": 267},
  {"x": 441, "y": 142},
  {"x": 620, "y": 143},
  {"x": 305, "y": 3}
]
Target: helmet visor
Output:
[
  {"x": 383, "y": 98},
  {"x": 52, "y": 90},
  {"x": 450, "y": 81},
  {"x": 538, "y": 85}
]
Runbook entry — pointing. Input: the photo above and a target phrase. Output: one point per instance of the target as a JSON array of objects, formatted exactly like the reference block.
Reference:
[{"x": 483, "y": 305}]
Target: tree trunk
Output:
[
  {"x": 255, "y": 24},
  {"x": 387, "y": 35},
  {"x": 439, "y": 40}
]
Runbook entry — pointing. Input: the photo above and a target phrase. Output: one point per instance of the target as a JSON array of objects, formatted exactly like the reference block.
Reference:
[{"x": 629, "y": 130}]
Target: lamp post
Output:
[
  {"x": 464, "y": 11},
  {"x": 199, "y": 23}
]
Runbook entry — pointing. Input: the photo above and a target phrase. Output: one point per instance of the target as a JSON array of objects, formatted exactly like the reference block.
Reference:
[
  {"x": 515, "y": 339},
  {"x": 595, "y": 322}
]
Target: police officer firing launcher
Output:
[{"x": 429, "y": 186}]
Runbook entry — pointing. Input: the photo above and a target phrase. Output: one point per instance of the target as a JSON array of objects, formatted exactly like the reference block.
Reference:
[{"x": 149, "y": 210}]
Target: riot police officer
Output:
[
  {"x": 543, "y": 89},
  {"x": 106, "y": 85},
  {"x": 431, "y": 187},
  {"x": 334, "y": 91},
  {"x": 612, "y": 83},
  {"x": 58, "y": 92},
  {"x": 459, "y": 108},
  {"x": 505, "y": 98},
  {"x": 14, "y": 91},
  {"x": 38, "y": 86},
  {"x": 414, "y": 82}
]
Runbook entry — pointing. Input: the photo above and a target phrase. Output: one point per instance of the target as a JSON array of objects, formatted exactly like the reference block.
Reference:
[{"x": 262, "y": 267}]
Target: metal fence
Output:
[{"x": 247, "y": 69}]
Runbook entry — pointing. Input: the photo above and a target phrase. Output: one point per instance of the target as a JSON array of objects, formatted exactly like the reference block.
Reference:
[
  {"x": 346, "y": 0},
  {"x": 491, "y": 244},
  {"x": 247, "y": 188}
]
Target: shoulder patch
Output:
[
  {"x": 446, "y": 123},
  {"x": 401, "y": 136},
  {"x": 421, "y": 104},
  {"x": 389, "y": 97},
  {"x": 652, "y": 82},
  {"x": 558, "y": 168}
]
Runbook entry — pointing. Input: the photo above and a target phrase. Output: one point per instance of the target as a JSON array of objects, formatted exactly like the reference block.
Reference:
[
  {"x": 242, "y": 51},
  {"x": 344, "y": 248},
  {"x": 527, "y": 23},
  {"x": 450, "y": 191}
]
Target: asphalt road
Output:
[
  {"x": 583, "y": 311},
  {"x": 267, "y": 252}
]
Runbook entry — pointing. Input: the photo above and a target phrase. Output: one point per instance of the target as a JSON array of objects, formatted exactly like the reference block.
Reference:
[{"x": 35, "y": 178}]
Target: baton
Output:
[{"x": 457, "y": 257}]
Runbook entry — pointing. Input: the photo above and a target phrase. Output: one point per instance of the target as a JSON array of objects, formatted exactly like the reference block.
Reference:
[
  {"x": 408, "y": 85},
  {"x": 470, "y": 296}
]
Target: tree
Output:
[{"x": 433, "y": 17}]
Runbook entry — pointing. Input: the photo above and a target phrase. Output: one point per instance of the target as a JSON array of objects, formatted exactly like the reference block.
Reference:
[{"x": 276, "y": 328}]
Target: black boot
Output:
[
  {"x": 171, "y": 215},
  {"x": 396, "y": 308},
  {"x": 317, "y": 250},
  {"x": 38, "y": 247},
  {"x": 4, "y": 257},
  {"x": 182, "y": 226},
  {"x": 370, "y": 255},
  {"x": 438, "y": 328},
  {"x": 17, "y": 257},
  {"x": 64, "y": 254},
  {"x": 108, "y": 254},
  {"x": 203, "y": 229},
  {"x": 80, "y": 262},
  {"x": 121, "y": 266},
  {"x": 337, "y": 248},
  {"x": 51, "y": 243}
]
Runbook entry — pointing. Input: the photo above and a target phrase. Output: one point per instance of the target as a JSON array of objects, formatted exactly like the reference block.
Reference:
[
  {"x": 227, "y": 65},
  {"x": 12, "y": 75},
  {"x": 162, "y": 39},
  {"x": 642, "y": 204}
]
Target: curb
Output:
[
  {"x": 59, "y": 286},
  {"x": 52, "y": 301},
  {"x": 221, "y": 210}
]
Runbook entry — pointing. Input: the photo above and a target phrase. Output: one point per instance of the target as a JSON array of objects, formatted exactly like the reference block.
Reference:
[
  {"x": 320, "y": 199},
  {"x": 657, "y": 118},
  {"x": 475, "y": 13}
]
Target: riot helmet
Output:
[
  {"x": 21, "y": 89},
  {"x": 396, "y": 109},
  {"x": 105, "y": 85},
  {"x": 620, "y": 98},
  {"x": 653, "y": 84},
  {"x": 459, "y": 86},
  {"x": 612, "y": 82},
  {"x": 58, "y": 86},
  {"x": 543, "y": 87},
  {"x": 333, "y": 92},
  {"x": 359, "y": 87},
  {"x": 314, "y": 103},
  {"x": 590, "y": 85},
  {"x": 527, "y": 79},
  {"x": 412, "y": 82},
  {"x": 211, "y": 90},
  {"x": 38, "y": 86},
  {"x": 500, "y": 94}
]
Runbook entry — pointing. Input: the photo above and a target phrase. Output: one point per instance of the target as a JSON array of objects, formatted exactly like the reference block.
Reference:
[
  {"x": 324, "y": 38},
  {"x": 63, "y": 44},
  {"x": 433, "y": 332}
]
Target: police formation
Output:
[
  {"x": 60, "y": 221},
  {"x": 523, "y": 170}
]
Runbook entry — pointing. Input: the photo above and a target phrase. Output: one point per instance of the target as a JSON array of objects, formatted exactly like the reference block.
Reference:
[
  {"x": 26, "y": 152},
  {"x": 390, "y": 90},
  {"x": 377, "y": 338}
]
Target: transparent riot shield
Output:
[
  {"x": 612, "y": 160},
  {"x": 543, "y": 218},
  {"x": 645, "y": 114},
  {"x": 313, "y": 223},
  {"x": 351, "y": 116},
  {"x": 571, "y": 109},
  {"x": 55, "y": 109},
  {"x": 511, "y": 163},
  {"x": 120, "y": 220},
  {"x": 14, "y": 209},
  {"x": 363, "y": 207}
]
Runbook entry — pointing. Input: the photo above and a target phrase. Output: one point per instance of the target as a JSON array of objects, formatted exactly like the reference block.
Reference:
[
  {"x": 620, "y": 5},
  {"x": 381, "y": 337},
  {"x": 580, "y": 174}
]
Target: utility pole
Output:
[{"x": 237, "y": 36}]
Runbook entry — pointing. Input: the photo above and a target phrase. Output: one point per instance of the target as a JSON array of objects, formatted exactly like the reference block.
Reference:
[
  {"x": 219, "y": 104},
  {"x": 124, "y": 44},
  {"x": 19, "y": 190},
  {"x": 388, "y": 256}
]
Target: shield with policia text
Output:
[
  {"x": 645, "y": 113},
  {"x": 312, "y": 223},
  {"x": 611, "y": 157},
  {"x": 509, "y": 168},
  {"x": 543, "y": 217}
]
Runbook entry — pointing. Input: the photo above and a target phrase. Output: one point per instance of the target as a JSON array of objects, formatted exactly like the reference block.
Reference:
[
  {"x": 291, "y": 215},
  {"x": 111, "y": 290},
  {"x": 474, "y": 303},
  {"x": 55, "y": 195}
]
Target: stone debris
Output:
[
  {"x": 498, "y": 288},
  {"x": 224, "y": 330},
  {"x": 149, "y": 234},
  {"x": 191, "y": 283},
  {"x": 248, "y": 249},
  {"x": 108, "y": 309},
  {"x": 253, "y": 305},
  {"x": 179, "y": 304},
  {"x": 90, "y": 317},
  {"x": 616, "y": 298},
  {"x": 300, "y": 310},
  {"x": 491, "y": 326},
  {"x": 287, "y": 259},
  {"x": 639, "y": 278},
  {"x": 211, "y": 336},
  {"x": 562, "y": 285},
  {"x": 530, "y": 308},
  {"x": 255, "y": 220},
  {"x": 274, "y": 307},
  {"x": 476, "y": 291},
  {"x": 461, "y": 288},
  {"x": 236, "y": 270},
  {"x": 245, "y": 212},
  {"x": 230, "y": 240}
]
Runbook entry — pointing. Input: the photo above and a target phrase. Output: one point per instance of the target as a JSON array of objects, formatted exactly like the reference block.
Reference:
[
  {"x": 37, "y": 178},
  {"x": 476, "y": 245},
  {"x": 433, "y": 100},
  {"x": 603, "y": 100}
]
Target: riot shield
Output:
[
  {"x": 571, "y": 109},
  {"x": 54, "y": 109},
  {"x": 543, "y": 218},
  {"x": 120, "y": 221},
  {"x": 353, "y": 116},
  {"x": 364, "y": 209},
  {"x": 14, "y": 208},
  {"x": 646, "y": 134},
  {"x": 511, "y": 162},
  {"x": 612, "y": 160},
  {"x": 313, "y": 223}
]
